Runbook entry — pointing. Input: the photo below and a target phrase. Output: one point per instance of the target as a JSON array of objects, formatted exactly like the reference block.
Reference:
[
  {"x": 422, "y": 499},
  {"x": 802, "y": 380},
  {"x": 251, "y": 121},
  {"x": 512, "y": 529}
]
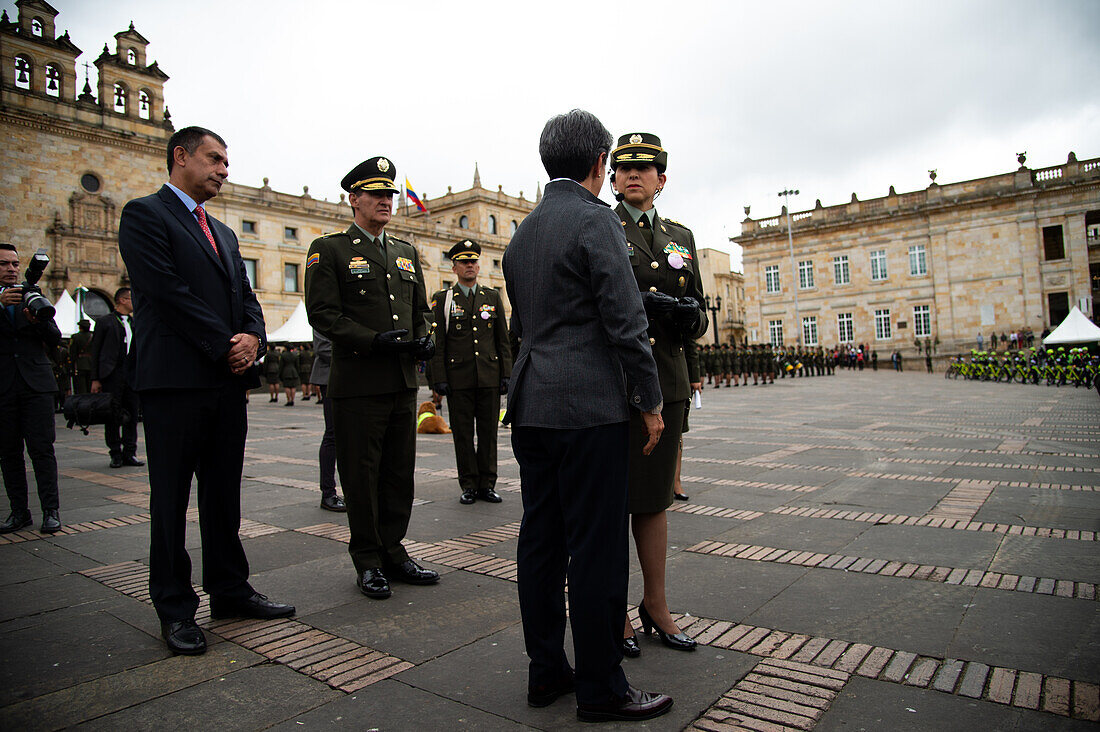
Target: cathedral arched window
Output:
[
  {"x": 36, "y": 27},
  {"x": 464, "y": 222},
  {"x": 145, "y": 105},
  {"x": 131, "y": 57},
  {"x": 492, "y": 224},
  {"x": 120, "y": 99},
  {"x": 53, "y": 80},
  {"x": 24, "y": 71}
]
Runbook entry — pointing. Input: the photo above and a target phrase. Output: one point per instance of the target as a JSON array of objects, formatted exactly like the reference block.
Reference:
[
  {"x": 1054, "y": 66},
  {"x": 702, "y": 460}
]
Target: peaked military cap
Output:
[
  {"x": 376, "y": 174},
  {"x": 639, "y": 148},
  {"x": 465, "y": 249}
]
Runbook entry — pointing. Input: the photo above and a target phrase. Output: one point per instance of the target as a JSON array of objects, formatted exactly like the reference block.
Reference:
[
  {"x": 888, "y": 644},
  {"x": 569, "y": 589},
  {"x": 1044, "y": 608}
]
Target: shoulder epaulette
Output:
[
  {"x": 333, "y": 233},
  {"x": 675, "y": 223},
  {"x": 390, "y": 238}
]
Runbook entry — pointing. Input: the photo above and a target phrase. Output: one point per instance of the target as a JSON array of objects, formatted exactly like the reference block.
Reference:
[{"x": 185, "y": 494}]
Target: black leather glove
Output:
[
  {"x": 391, "y": 341},
  {"x": 658, "y": 304},
  {"x": 686, "y": 313},
  {"x": 504, "y": 385},
  {"x": 441, "y": 388},
  {"x": 425, "y": 348}
]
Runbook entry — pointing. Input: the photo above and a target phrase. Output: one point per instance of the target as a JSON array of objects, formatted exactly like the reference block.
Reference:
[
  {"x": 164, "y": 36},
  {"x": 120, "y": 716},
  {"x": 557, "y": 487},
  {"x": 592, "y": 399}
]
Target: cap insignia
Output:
[
  {"x": 635, "y": 139},
  {"x": 383, "y": 164}
]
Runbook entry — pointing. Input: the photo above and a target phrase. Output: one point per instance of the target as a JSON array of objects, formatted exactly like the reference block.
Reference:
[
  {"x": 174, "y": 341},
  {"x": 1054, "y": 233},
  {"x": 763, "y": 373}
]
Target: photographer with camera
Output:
[{"x": 27, "y": 387}]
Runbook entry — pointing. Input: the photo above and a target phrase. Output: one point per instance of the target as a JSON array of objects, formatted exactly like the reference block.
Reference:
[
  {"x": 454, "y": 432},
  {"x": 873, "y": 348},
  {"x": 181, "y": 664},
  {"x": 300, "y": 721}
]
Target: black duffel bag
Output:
[{"x": 85, "y": 410}]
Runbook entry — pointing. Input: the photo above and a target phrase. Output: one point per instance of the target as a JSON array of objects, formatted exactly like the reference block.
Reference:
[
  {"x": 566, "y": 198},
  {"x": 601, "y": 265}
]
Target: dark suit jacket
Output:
[
  {"x": 108, "y": 347},
  {"x": 23, "y": 350},
  {"x": 188, "y": 301},
  {"x": 578, "y": 312}
]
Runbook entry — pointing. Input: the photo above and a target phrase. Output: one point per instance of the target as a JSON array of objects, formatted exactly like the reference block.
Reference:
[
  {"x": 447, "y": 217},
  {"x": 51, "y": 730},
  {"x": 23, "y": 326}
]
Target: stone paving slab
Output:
[{"x": 934, "y": 550}]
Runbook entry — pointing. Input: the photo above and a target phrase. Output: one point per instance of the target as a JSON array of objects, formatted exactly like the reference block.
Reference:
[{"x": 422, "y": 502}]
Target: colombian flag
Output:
[{"x": 413, "y": 197}]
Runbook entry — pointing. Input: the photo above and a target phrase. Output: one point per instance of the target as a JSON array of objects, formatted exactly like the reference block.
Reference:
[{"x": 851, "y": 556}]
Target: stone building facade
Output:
[
  {"x": 1006, "y": 253},
  {"x": 69, "y": 162},
  {"x": 725, "y": 291}
]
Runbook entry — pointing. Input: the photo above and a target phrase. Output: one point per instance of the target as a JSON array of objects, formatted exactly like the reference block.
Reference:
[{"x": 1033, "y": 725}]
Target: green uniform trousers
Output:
[
  {"x": 475, "y": 411},
  {"x": 376, "y": 454}
]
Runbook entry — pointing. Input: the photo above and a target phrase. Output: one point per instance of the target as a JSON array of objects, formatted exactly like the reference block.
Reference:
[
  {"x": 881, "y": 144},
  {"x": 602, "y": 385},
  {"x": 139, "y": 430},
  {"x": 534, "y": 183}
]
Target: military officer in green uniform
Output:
[
  {"x": 471, "y": 367},
  {"x": 365, "y": 293},
  {"x": 80, "y": 353}
]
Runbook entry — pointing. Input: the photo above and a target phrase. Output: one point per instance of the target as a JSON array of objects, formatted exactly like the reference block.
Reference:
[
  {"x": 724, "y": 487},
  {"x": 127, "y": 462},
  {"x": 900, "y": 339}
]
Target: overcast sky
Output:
[{"x": 748, "y": 98}]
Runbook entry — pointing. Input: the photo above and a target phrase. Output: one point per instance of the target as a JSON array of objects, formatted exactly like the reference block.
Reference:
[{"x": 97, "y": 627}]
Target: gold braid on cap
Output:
[
  {"x": 658, "y": 148},
  {"x": 380, "y": 182}
]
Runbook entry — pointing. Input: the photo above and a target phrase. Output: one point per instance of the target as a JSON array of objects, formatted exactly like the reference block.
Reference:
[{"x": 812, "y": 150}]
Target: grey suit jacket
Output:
[
  {"x": 578, "y": 312},
  {"x": 322, "y": 360}
]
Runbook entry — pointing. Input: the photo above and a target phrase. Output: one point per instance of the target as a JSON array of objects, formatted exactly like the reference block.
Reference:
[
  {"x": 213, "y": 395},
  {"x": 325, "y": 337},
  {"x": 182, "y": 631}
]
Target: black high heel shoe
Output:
[
  {"x": 679, "y": 641},
  {"x": 631, "y": 649}
]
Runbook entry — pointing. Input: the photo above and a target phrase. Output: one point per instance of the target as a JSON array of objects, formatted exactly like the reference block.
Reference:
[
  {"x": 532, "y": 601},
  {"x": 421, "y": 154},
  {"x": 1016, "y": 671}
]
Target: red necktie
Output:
[{"x": 200, "y": 212}]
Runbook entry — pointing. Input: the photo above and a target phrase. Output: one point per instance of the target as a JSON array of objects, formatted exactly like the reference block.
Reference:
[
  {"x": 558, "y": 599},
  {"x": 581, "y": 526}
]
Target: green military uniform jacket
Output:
[
  {"x": 654, "y": 273},
  {"x": 80, "y": 350},
  {"x": 472, "y": 348},
  {"x": 353, "y": 293}
]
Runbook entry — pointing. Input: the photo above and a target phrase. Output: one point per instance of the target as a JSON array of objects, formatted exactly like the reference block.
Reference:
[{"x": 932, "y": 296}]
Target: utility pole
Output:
[{"x": 786, "y": 194}]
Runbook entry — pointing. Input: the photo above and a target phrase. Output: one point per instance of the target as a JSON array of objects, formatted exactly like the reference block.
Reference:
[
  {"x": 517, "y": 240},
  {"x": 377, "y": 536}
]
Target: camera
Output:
[{"x": 40, "y": 308}]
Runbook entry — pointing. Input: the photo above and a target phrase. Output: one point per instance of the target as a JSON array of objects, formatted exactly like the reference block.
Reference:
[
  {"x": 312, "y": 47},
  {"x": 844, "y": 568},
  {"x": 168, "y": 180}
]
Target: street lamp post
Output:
[
  {"x": 714, "y": 313},
  {"x": 786, "y": 194}
]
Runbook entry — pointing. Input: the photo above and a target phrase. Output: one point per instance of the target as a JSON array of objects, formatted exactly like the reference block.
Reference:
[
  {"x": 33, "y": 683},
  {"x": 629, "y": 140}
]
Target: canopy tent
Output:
[
  {"x": 296, "y": 329},
  {"x": 1076, "y": 328},
  {"x": 66, "y": 316}
]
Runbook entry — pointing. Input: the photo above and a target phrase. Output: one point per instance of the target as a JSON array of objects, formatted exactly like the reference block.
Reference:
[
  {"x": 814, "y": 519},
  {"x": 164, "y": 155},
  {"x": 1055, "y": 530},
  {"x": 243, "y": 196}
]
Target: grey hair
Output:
[{"x": 571, "y": 144}]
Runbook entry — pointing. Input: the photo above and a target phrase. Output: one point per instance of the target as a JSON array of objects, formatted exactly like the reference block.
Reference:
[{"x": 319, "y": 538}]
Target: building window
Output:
[
  {"x": 918, "y": 262},
  {"x": 492, "y": 224},
  {"x": 248, "y": 227},
  {"x": 290, "y": 232},
  {"x": 775, "y": 332},
  {"x": 36, "y": 27},
  {"x": 496, "y": 264},
  {"x": 290, "y": 277},
  {"x": 463, "y": 222},
  {"x": 447, "y": 284},
  {"x": 878, "y": 265},
  {"x": 120, "y": 99},
  {"x": 1053, "y": 245},
  {"x": 771, "y": 278},
  {"x": 1058, "y": 305},
  {"x": 809, "y": 330},
  {"x": 922, "y": 321},
  {"x": 144, "y": 104},
  {"x": 841, "y": 273},
  {"x": 131, "y": 57},
  {"x": 805, "y": 275},
  {"x": 882, "y": 325},
  {"x": 250, "y": 270},
  {"x": 443, "y": 258},
  {"x": 23, "y": 72},
  {"x": 90, "y": 183},
  {"x": 53, "y": 81},
  {"x": 845, "y": 331},
  {"x": 514, "y": 226}
]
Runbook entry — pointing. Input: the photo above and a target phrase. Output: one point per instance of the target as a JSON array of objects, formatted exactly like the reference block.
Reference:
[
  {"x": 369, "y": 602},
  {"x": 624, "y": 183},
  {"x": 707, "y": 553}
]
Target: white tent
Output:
[
  {"x": 296, "y": 329},
  {"x": 66, "y": 317},
  {"x": 1076, "y": 328}
]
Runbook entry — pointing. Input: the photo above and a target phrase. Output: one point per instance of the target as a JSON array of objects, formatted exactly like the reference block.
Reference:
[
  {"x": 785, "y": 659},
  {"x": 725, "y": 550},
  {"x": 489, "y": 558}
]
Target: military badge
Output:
[
  {"x": 405, "y": 264},
  {"x": 358, "y": 266},
  {"x": 383, "y": 164},
  {"x": 635, "y": 139},
  {"x": 674, "y": 248},
  {"x": 683, "y": 282},
  {"x": 313, "y": 259},
  {"x": 629, "y": 249}
]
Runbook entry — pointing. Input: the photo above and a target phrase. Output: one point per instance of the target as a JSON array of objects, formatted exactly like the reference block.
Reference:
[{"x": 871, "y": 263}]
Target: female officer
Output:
[{"x": 665, "y": 265}]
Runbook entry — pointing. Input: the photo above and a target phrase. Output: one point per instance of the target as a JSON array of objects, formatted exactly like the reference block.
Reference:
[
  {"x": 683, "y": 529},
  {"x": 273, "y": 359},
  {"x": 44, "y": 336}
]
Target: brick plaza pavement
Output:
[{"x": 863, "y": 551}]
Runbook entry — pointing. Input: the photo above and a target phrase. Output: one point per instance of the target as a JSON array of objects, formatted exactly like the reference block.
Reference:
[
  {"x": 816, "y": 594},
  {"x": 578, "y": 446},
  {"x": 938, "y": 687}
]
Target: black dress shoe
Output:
[
  {"x": 634, "y": 706},
  {"x": 679, "y": 641},
  {"x": 184, "y": 637},
  {"x": 680, "y": 496},
  {"x": 15, "y": 522},
  {"x": 411, "y": 572},
  {"x": 631, "y": 649},
  {"x": 373, "y": 583},
  {"x": 467, "y": 498},
  {"x": 490, "y": 496},
  {"x": 543, "y": 695},
  {"x": 334, "y": 503},
  {"x": 116, "y": 462},
  {"x": 257, "y": 606},
  {"x": 50, "y": 522},
  {"x": 132, "y": 461}
]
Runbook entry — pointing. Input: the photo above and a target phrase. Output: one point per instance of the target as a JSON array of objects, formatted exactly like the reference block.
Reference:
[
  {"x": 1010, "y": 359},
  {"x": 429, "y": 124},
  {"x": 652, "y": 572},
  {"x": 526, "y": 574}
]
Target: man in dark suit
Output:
[
  {"x": 471, "y": 366},
  {"x": 27, "y": 387},
  {"x": 573, "y": 293},
  {"x": 111, "y": 373},
  {"x": 198, "y": 331}
]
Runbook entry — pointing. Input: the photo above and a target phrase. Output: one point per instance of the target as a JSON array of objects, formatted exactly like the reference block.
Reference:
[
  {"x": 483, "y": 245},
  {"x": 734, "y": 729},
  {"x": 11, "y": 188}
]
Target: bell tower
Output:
[{"x": 129, "y": 88}]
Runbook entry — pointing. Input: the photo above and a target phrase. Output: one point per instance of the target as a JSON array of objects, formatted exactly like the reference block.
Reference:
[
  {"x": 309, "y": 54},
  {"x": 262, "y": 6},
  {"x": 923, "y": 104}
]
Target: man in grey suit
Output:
[{"x": 583, "y": 363}]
